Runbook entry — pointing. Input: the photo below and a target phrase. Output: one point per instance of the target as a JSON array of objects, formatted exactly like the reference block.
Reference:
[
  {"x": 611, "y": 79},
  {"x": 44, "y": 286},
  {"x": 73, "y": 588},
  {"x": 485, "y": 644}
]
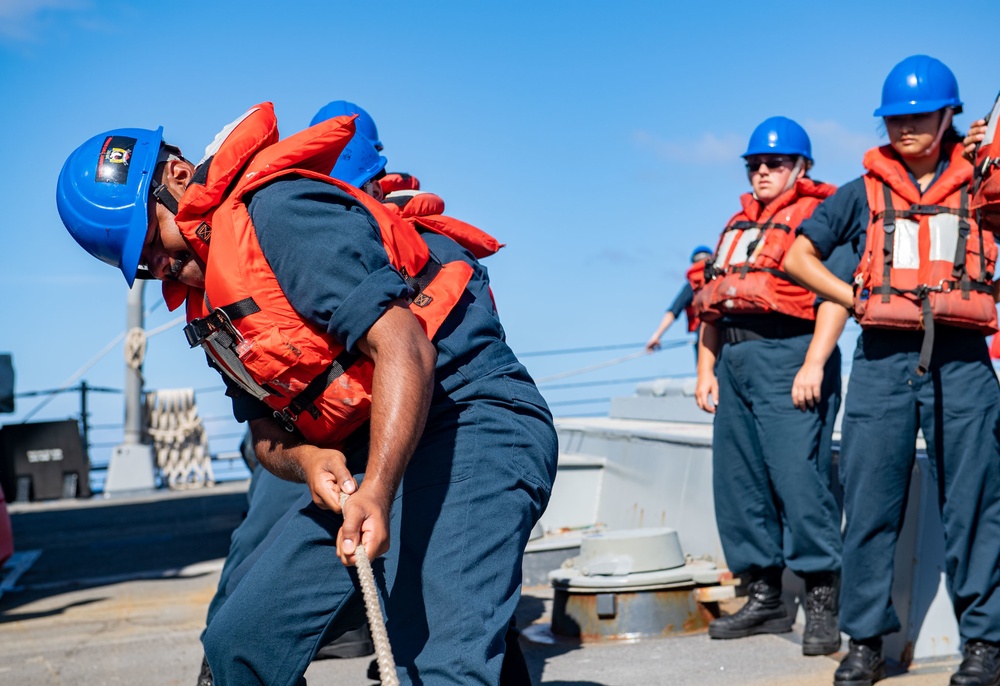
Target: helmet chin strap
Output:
[
  {"x": 800, "y": 162},
  {"x": 945, "y": 123}
]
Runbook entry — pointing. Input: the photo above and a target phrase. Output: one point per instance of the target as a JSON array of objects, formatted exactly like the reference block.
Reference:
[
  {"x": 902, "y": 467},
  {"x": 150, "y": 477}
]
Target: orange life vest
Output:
[
  {"x": 248, "y": 326},
  {"x": 925, "y": 258},
  {"x": 425, "y": 212},
  {"x": 986, "y": 184},
  {"x": 399, "y": 181},
  {"x": 925, "y": 261},
  {"x": 746, "y": 276},
  {"x": 696, "y": 279}
]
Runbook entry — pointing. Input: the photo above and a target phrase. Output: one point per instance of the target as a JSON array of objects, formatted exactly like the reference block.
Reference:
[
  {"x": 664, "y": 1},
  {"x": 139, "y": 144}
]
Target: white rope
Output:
[
  {"x": 380, "y": 637},
  {"x": 593, "y": 367},
  {"x": 179, "y": 439},
  {"x": 135, "y": 347},
  {"x": 164, "y": 327}
]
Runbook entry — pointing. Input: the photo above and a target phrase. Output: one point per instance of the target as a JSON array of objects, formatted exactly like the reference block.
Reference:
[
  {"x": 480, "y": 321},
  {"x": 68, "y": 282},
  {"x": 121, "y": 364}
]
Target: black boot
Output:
[
  {"x": 980, "y": 665},
  {"x": 764, "y": 613},
  {"x": 863, "y": 666},
  {"x": 822, "y": 634},
  {"x": 205, "y": 675},
  {"x": 353, "y": 643}
]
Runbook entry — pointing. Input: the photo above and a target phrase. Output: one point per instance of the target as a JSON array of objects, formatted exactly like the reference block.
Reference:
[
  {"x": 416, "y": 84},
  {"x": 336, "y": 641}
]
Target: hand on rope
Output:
[{"x": 380, "y": 637}]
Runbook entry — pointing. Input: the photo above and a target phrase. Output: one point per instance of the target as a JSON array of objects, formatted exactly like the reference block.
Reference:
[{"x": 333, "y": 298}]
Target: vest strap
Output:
[
  {"x": 888, "y": 241},
  {"x": 753, "y": 247},
  {"x": 927, "y": 345},
  {"x": 422, "y": 279},
  {"x": 305, "y": 401}
]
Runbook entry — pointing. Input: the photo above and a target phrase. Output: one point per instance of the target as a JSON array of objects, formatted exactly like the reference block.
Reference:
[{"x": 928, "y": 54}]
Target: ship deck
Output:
[{"x": 115, "y": 591}]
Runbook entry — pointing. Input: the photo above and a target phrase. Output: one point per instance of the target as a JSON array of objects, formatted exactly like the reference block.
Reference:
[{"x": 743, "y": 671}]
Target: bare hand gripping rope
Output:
[{"x": 380, "y": 637}]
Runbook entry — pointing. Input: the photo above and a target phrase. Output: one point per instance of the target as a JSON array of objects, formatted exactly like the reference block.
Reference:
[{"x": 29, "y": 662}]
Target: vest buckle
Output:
[{"x": 287, "y": 419}]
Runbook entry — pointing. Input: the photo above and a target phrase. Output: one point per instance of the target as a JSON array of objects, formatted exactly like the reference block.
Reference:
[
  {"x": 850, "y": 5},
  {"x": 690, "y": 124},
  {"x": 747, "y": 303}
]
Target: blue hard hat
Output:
[
  {"x": 359, "y": 162},
  {"x": 779, "y": 135},
  {"x": 103, "y": 195},
  {"x": 700, "y": 250},
  {"x": 919, "y": 84},
  {"x": 364, "y": 123}
]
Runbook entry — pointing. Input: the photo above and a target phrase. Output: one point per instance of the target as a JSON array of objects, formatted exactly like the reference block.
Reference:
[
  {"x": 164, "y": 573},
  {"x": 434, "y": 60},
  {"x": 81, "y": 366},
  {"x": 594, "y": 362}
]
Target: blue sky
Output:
[{"x": 599, "y": 140}]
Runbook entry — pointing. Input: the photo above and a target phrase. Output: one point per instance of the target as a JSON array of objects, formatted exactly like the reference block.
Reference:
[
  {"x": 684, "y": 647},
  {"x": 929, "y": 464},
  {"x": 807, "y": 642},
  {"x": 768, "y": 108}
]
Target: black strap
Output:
[
  {"x": 918, "y": 210},
  {"x": 744, "y": 225},
  {"x": 422, "y": 279},
  {"x": 958, "y": 269},
  {"x": 218, "y": 320},
  {"x": 162, "y": 194},
  {"x": 305, "y": 401},
  {"x": 240, "y": 309},
  {"x": 927, "y": 345},
  {"x": 888, "y": 229},
  {"x": 752, "y": 247}
]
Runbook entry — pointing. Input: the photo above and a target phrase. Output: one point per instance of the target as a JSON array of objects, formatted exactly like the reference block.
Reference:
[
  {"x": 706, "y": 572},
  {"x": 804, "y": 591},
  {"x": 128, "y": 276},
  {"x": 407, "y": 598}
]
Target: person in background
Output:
[
  {"x": 771, "y": 448},
  {"x": 684, "y": 299},
  {"x": 924, "y": 297}
]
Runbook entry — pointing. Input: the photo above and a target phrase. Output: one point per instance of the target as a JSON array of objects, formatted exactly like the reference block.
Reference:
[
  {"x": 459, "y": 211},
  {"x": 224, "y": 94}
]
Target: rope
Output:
[
  {"x": 593, "y": 367},
  {"x": 135, "y": 347},
  {"x": 179, "y": 439},
  {"x": 380, "y": 637}
]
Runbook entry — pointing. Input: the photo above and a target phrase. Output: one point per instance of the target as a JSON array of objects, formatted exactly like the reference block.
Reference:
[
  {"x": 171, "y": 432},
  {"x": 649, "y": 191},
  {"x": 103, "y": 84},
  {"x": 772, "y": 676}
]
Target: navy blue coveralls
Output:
[
  {"x": 771, "y": 462},
  {"x": 957, "y": 405},
  {"x": 477, "y": 482}
]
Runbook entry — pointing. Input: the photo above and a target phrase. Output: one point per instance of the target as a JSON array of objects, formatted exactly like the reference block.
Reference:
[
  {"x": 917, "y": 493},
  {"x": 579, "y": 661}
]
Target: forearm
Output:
[
  {"x": 803, "y": 264},
  {"x": 665, "y": 323},
  {"x": 283, "y": 453},
  {"x": 708, "y": 348},
  {"x": 830, "y": 321},
  {"x": 402, "y": 387}
]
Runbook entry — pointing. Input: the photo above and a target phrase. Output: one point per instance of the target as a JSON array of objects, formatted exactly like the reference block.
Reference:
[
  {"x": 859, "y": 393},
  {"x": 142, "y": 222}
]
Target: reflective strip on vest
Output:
[
  {"x": 943, "y": 233},
  {"x": 221, "y": 351},
  {"x": 741, "y": 253}
]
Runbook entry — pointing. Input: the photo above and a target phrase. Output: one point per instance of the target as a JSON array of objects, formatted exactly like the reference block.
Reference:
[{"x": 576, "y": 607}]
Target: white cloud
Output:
[
  {"x": 709, "y": 149},
  {"x": 611, "y": 256},
  {"x": 20, "y": 20},
  {"x": 832, "y": 141}
]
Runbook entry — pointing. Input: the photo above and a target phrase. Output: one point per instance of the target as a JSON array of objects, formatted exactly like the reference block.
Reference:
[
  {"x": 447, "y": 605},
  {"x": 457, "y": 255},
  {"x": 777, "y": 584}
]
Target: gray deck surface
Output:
[{"x": 119, "y": 592}]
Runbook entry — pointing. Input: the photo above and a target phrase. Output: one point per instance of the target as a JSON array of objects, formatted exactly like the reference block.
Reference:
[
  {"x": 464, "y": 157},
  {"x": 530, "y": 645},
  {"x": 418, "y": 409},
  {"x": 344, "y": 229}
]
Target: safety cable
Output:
[
  {"x": 593, "y": 367},
  {"x": 94, "y": 360},
  {"x": 599, "y": 348}
]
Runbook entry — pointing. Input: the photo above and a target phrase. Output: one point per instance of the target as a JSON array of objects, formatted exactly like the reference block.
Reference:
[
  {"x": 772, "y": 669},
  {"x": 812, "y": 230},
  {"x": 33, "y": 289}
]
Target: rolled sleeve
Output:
[
  {"x": 683, "y": 300},
  {"x": 839, "y": 220},
  {"x": 365, "y": 304}
]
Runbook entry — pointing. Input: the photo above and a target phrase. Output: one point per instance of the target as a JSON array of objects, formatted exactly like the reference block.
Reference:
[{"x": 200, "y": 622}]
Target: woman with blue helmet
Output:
[
  {"x": 923, "y": 295},
  {"x": 771, "y": 450}
]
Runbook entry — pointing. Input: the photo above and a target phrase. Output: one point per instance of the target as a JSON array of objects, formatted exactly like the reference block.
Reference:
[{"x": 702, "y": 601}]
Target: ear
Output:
[{"x": 177, "y": 175}]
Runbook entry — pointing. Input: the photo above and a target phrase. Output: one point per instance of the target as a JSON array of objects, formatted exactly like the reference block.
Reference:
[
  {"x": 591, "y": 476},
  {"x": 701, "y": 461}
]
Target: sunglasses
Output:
[{"x": 771, "y": 162}]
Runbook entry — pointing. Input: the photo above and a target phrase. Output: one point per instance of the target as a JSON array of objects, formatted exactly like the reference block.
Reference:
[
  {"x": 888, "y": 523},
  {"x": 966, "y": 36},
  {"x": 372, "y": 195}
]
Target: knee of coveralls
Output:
[
  {"x": 295, "y": 596},
  {"x": 959, "y": 416},
  {"x": 773, "y": 500},
  {"x": 462, "y": 541},
  {"x": 876, "y": 460},
  {"x": 270, "y": 498}
]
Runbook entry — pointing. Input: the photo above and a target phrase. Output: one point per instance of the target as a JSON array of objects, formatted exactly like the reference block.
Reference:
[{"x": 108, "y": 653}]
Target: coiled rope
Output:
[{"x": 373, "y": 608}]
